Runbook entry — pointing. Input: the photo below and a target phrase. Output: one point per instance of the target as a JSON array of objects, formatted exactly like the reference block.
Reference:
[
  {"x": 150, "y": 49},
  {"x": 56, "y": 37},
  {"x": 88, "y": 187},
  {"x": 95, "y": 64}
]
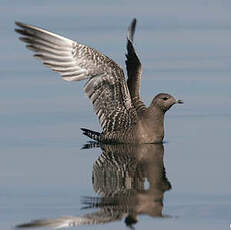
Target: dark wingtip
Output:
[
  {"x": 22, "y": 226},
  {"x": 17, "y": 23},
  {"x": 131, "y": 29},
  {"x": 91, "y": 145},
  {"x": 134, "y": 20},
  {"x": 83, "y": 129},
  {"x": 19, "y": 31},
  {"x": 26, "y": 225},
  {"x": 20, "y": 24},
  {"x": 133, "y": 23}
]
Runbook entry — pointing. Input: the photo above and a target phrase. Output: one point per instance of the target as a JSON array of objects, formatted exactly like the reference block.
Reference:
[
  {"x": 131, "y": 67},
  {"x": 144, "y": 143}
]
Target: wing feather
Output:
[
  {"x": 133, "y": 65},
  {"x": 106, "y": 86},
  {"x": 99, "y": 217}
]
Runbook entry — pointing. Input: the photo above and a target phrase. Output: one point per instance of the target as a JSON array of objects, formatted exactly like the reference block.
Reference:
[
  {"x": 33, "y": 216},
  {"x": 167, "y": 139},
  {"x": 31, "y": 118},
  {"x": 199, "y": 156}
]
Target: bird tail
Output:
[{"x": 92, "y": 134}]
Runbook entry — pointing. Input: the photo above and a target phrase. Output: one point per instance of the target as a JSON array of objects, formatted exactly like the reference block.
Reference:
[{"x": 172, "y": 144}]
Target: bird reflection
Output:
[{"x": 130, "y": 180}]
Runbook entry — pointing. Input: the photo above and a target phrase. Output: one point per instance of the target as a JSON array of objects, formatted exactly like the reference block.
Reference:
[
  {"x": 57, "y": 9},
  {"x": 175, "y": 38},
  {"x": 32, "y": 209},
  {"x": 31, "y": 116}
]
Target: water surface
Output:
[{"x": 185, "y": 50}]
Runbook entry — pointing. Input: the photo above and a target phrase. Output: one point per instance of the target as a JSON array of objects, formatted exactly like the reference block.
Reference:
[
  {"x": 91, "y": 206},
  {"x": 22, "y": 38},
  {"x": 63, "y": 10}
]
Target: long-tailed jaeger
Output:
[{"x": 122, "y": 114}]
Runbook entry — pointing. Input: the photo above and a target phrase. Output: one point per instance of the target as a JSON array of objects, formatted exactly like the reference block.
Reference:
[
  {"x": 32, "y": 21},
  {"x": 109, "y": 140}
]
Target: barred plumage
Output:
[
  {"x": 122, "y": 115},
  {"x": 92, "y": 134}
]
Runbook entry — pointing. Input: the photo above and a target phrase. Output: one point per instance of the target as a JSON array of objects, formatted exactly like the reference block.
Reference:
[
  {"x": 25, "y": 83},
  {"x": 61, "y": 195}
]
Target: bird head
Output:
[{"x": 165, "y": 101}]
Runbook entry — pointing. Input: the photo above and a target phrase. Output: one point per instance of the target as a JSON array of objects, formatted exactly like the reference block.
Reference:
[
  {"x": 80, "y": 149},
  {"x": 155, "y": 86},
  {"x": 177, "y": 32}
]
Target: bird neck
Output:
[
  {"x": 155, "y": 113},
  {"x": 154, "y": 119}
]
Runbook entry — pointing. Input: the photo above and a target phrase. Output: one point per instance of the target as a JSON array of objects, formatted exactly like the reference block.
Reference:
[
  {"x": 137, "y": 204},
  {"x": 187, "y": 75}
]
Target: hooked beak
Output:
[{"x": 179, "y": 102}]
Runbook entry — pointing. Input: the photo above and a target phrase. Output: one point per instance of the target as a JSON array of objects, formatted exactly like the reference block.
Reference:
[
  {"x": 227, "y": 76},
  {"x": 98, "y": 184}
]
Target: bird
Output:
[{"x": 122, "y": 114}]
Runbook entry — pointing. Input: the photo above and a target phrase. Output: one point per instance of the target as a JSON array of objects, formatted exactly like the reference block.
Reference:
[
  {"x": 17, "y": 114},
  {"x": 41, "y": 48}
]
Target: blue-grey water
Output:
[{"x": 185, "y": 48}]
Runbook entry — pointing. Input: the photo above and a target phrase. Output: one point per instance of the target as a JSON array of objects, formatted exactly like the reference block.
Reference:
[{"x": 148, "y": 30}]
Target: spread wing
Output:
[
  {"x": 134, "y": 68},
  {"x": 106, "y": 86}
]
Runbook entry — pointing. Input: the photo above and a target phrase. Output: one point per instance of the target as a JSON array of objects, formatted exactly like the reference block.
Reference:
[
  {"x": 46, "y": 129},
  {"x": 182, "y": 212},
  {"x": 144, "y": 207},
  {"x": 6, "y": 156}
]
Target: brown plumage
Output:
[{"x": 122, "y": 115}]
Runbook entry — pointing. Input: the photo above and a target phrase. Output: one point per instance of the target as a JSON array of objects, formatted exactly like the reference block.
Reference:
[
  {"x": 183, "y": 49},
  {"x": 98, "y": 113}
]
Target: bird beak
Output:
[{"x": 179, "y": 102}]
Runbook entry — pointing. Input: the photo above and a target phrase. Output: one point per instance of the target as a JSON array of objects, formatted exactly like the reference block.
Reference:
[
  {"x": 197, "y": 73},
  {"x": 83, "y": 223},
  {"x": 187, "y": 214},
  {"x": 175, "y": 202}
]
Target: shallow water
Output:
[{"x": 185, "y": 50}]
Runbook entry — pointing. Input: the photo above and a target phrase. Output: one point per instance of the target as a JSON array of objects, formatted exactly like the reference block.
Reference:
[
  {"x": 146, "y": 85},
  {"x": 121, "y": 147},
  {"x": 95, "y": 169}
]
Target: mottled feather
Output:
[{"x": 106, "y": 86}]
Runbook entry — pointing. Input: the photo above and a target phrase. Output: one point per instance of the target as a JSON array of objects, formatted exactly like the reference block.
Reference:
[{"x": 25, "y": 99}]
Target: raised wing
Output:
[
  {"x": 134, "y": 68},
  {"x": 106, "y": 86}
]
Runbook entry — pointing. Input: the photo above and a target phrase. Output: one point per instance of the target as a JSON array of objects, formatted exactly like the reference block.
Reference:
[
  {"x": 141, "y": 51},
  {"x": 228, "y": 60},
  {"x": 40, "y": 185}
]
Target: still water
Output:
[{"x": 46, "y": 169}]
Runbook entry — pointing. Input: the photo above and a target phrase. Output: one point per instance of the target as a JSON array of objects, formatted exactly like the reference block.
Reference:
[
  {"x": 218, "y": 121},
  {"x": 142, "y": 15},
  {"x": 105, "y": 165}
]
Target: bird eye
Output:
[{"x": 165, "y": 98}]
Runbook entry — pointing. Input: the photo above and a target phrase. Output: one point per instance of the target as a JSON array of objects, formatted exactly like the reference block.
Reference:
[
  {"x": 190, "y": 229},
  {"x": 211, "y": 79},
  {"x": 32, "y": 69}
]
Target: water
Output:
[{"x": 185, "y": 50}]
